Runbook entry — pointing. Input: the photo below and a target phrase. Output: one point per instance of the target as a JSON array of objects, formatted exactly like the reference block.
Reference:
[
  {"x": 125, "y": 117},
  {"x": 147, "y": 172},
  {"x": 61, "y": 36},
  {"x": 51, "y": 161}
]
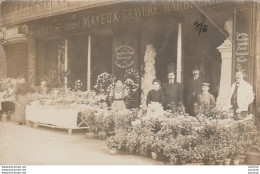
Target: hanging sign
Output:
[{"x": 124, "y": 56}]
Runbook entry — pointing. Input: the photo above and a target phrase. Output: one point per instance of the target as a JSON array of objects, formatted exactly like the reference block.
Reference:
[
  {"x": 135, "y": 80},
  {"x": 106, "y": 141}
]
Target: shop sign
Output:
[
  {"x": 118, "y": 15},
  {"x": 124, "y": 56},
  {"x": 48, "y": 8},
  {"x": 242, "y": 40}
]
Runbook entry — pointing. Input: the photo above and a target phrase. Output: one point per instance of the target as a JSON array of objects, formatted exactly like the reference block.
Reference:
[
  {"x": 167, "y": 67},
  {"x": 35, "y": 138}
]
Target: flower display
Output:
[
  {"x": 182, "y": 139},
  {"x": 104, "y": 83},
  {"x": 132, "y": 80},
  {"x": 149, "y": 72}
]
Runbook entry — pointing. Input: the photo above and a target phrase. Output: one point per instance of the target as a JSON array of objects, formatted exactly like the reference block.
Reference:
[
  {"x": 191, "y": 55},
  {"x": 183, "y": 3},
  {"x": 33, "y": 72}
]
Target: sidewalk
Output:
[{"x": 20, "y": 144}]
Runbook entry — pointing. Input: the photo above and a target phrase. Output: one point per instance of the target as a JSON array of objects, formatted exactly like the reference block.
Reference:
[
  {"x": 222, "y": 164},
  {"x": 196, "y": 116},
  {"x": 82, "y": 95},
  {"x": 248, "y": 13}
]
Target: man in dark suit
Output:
[
  {"x": 172, "y": 91},
  {"x": 194, "y": 89}
]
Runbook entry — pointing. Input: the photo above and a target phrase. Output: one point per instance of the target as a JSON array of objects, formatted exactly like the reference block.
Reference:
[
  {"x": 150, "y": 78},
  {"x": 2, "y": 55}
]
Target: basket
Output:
[{"x": 253, "y": 156}]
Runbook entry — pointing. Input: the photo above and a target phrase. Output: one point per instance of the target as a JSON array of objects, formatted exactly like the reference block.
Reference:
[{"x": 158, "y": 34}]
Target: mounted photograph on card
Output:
[{"x": 122, "y": 82}]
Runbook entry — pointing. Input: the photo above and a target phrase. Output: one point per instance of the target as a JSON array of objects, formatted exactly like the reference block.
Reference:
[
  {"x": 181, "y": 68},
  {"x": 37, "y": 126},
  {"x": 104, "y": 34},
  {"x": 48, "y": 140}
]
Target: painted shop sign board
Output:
[
  {"x": 118, "y": 15},
  {"x": 49, "y": 8},
  {"x": 54, "y": 7},
  {"x": 242, "y": 40},
  {"x": 125, "y": 56}
]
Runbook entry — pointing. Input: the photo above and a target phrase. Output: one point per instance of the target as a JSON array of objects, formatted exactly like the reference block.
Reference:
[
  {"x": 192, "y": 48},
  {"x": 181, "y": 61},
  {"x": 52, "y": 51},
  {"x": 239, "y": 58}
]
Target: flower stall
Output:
[
  {"x": 62, "y": 109},
  {"x": 176, "y": 138},
  {"x": 6, "y": 98}
]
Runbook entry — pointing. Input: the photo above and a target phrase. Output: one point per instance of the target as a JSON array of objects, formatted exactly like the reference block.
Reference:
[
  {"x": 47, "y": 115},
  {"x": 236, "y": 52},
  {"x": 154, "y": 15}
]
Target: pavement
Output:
[{"x": 24, "y": 145}]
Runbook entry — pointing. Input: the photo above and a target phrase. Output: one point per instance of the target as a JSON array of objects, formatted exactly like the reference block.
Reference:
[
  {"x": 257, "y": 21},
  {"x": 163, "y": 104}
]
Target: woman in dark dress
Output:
[
  {"x": 155, "y": 100},
  {"x": 21, "y": 100},
  {"x": 156, "y": 94}
]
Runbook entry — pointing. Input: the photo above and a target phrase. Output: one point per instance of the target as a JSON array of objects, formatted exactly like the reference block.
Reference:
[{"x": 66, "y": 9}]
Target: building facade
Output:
[{"x": 81, "y": 39}]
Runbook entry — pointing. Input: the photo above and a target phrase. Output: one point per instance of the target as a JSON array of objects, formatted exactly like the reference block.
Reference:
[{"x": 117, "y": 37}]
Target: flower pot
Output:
[
  {"x": 236, "y": 161},
  {"x": 91, "y": 135},
  {"x": 242, "y": 158},
  {"x": 173, "y": 162},
  {"x": 227, "y": 161},
  {"x": 154, "y": 155},
  {"x": 144, "y": 153},
  {"x": 211, "y": 162},
  {"x": 113, "y": 151},
  {"x": 220, "y": 162},
  {"x": 102, "y": 135}
]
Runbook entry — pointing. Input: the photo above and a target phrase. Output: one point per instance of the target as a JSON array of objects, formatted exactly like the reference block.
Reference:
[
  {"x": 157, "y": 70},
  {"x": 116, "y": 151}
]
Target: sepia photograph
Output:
[{"x": 129, "y": 82}]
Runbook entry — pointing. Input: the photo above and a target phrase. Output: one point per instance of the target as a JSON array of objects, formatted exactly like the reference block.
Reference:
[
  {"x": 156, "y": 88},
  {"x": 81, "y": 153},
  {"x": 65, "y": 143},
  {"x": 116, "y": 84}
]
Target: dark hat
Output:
[
  {"x": 171, "y": 68},
  {"x": 195, "y": 67},
  {"x": 205, "y": 84},
  {"x": 158, "y": 81}
]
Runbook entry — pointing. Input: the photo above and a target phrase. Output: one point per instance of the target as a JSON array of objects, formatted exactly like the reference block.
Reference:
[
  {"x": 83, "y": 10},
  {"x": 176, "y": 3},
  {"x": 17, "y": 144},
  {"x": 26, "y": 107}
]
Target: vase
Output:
[
  {"x": 236, "y": 161},
  {"x": 113, "y": 151},
  {"x": 227, "y": 161},
  {"x": 154, "y": 155}
]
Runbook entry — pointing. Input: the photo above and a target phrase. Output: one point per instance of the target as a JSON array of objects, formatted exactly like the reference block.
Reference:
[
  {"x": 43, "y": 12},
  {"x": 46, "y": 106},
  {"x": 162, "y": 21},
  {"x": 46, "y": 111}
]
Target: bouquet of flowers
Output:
[
  {"x": 104, "y": 83},
  {"x": 132, "y": 80}
]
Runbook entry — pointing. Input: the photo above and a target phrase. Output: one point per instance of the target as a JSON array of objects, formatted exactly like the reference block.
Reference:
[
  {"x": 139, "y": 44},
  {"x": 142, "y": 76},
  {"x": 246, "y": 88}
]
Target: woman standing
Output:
[
  {"x": 155, "y": 100},
  {"x": 118, "y": 95},
  {"x": 21, "y": 100}
]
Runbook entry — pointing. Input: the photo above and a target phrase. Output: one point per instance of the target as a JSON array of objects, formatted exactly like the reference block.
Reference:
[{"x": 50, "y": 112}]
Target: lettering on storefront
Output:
[
  {"x": 121, "y": 15},
  {"x": 242, "y": 41},
  {"x": 47, "y": 7},
  {"x": 124, "y": 56},
  {"x": 242, "y": 50}
]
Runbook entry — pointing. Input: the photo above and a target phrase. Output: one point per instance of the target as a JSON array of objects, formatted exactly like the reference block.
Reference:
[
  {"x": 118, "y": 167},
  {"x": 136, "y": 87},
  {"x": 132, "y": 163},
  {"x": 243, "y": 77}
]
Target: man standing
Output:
[
  {"x": 242, "y": 95},
  {"x": 172, "y": 92},
  {"x": 194, "y": 89}
]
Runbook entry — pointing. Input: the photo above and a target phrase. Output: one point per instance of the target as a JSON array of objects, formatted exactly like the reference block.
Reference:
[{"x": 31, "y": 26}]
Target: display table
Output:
[{"x": 55, "y": 117}]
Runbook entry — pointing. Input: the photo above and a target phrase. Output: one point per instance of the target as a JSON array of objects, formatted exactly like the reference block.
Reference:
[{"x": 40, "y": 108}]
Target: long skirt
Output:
[
  {"x": 118, "y": 105},
  {"x": 22, "y": 101}
]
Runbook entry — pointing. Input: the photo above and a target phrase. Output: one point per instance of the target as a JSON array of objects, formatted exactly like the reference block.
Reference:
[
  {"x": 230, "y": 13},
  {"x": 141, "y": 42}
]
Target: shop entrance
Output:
[
  {"x": 17, "y": 60},
  {"x": 197, "y": 49}
]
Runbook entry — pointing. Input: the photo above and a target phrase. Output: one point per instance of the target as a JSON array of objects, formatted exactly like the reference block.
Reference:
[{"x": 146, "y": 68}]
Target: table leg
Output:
[
  {"x": 36, "y": 125},
  {"x": 69, "y": 131}
]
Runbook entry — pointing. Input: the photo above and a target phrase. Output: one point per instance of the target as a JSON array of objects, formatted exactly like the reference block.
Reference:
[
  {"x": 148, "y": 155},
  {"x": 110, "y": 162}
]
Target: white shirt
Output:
[{"x": 245, "y": 95}]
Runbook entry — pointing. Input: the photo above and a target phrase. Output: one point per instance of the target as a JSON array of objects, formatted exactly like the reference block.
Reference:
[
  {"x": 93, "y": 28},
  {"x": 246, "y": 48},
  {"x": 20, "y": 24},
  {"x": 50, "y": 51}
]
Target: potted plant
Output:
[
  {"x": 132, "y": 142},
  {"x": 115, "y": 143},
  {"x": 156, "y": 148}
]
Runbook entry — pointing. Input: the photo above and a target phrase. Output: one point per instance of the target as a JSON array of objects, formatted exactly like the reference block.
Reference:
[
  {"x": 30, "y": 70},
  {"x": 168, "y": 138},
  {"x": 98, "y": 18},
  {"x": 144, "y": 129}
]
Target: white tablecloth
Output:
[{"x": 61, "y": 117}]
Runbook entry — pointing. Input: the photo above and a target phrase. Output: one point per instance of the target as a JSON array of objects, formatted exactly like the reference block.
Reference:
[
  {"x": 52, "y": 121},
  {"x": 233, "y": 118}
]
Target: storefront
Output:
[{"x": 84, "y": 39}]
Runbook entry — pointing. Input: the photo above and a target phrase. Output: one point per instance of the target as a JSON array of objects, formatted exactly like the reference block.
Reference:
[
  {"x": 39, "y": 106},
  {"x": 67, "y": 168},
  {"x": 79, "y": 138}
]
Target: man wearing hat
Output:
[
  {"x": 241, "y": 94},
  {"x": 172, "y": 91},
  {"x": 205, "y": 98},
  {"x": 194, "y": 89}
]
